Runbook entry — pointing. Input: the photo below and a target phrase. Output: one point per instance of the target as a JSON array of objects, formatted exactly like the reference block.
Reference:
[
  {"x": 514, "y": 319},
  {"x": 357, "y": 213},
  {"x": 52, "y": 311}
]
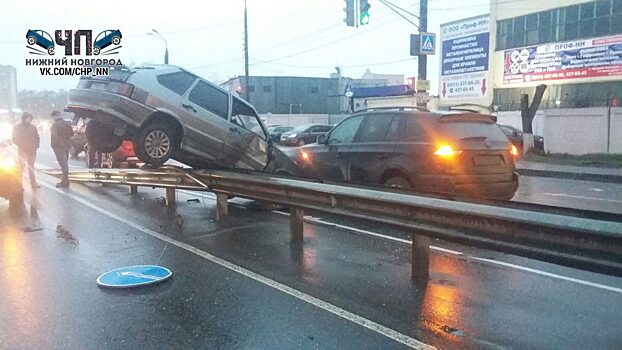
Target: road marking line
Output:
[
  {"x": 453, "y": 252},
  {"x": 580, "y": 197},
  {"x": 361, "y": 321}
]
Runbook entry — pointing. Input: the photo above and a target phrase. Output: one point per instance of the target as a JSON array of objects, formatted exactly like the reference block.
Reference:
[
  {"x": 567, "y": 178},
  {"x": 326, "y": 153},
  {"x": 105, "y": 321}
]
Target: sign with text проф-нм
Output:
[
  {"x": 578, "y": 59},
  {"x": 464, "y": 58}
]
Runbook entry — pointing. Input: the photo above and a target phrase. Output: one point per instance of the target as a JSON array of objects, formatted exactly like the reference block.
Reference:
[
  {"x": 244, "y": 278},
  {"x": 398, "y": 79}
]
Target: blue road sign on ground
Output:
[
  {"x": 133, "y": 276},
  {"x": 427, "y": 43}
]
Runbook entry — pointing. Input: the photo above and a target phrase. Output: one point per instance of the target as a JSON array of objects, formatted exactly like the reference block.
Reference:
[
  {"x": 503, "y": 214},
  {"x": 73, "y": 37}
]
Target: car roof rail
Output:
[{"x": 398, "y": 108}]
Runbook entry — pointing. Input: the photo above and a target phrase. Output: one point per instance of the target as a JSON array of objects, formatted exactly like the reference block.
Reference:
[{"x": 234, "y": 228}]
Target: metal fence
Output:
[{"x": 583, "y": 243}]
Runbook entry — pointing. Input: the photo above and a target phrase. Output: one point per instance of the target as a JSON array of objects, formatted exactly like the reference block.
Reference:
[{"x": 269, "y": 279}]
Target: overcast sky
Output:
[{"x": 286, "y": 37}]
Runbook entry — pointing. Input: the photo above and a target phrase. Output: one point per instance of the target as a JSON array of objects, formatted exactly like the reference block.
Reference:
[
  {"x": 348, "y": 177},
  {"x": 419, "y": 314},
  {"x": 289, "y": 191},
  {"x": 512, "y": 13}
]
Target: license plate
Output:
[
  {"x": 488, "y": 160},
  {"x": 99, "y": 86}
]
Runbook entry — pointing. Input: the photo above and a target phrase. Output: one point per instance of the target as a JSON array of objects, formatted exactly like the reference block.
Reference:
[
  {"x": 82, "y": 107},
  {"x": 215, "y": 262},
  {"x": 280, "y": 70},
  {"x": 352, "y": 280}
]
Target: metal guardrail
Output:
[{"x": 588, "y": 244}]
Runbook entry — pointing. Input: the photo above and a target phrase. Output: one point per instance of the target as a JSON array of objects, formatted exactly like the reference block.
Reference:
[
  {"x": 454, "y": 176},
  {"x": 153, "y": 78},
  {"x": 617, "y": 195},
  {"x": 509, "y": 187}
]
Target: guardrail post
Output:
[
  {"x": 296, "y": 224},
  {"x": 222, "y": 206},
  {"x": 170, "y": 197},
  {"x": 133, "y": 189},
  {"x": 420, "y": 258}
]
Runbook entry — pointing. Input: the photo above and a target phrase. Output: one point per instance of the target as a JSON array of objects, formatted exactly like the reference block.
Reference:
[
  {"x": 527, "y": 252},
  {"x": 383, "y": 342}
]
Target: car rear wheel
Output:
[
  {"x": 156, "y": 143},
  {"x": 101, "y": 138},
  {"x": 31, "y": 40},
  {"x": 51, "y": 50},
  {"x": 301, "y": 143},
  {"x": 397, "y": 182}
]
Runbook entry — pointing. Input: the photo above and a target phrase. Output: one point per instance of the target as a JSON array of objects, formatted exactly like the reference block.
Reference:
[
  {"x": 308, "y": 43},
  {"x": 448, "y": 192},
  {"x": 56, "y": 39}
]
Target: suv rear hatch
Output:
[
  {"x": 479, "y": 144},
  {"x": 115, "y": 82}
]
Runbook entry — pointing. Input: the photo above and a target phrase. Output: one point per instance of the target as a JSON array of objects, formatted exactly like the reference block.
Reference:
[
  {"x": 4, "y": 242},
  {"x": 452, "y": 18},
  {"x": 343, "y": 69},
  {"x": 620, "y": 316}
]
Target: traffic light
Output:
[
  {"x": 349, "y": 10},
  {"x": 364, "y": 12}
]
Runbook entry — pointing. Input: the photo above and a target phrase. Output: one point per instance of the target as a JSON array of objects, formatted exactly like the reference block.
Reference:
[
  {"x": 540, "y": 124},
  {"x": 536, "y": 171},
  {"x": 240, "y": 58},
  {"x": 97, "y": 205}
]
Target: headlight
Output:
[
  {"x": 292, "y": 135},
  {"x": 8, "y": 164}
]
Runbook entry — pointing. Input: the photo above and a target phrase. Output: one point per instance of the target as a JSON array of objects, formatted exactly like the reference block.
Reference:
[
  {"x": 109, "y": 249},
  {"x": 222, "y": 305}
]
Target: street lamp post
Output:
[{"x": 155, "y": 33}]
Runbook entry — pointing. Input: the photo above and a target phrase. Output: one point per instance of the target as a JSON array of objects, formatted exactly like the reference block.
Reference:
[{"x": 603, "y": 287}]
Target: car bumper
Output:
[
  {"x": 106, "y": 107},
  {"x": 491, "y": 186}
]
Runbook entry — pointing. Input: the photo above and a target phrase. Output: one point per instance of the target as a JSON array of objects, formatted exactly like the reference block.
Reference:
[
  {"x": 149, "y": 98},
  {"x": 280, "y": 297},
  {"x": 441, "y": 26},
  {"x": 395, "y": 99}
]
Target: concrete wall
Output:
[{"x": 576, "y": 130}]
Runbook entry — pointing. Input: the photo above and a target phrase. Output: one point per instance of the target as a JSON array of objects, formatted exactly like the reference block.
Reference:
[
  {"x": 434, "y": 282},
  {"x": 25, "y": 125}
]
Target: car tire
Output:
[
  {"x": 31, "y": 40},
  {"x": 397, "y": 182},
  {"x": 101, "y": 138},
  {"x": 116, "y": 40},
  {"x": 156, "y": 143},
  {"x": 301, "y": 142},
  {"x": 51, "y": 51},
  {"x": 96, "y": 51}
]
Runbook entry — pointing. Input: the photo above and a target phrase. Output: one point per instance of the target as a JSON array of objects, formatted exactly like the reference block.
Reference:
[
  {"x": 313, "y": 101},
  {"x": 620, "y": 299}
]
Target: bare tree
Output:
[{"x": 528, "y": 113}]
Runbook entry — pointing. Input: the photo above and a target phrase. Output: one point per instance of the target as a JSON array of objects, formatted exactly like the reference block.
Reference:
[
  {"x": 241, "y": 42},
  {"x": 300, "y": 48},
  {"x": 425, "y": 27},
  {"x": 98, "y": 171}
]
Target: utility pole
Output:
[
  {"x": 422, "y": 61},
  {"x": 246, "y": 92}
]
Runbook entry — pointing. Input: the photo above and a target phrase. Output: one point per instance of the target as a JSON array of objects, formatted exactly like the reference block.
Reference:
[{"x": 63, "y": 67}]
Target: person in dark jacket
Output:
[
  {"x": 26, "y": 138},
  {"x": 61, "y": 134}
]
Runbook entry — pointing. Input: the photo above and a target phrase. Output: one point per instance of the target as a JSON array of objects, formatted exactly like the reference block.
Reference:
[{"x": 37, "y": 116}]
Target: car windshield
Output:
[{"x": 300, "y": 128}]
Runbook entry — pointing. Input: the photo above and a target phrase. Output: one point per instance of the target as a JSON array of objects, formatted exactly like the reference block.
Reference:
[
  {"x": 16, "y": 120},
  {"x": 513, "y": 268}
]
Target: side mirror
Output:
[{"x": 321, "y": 139}]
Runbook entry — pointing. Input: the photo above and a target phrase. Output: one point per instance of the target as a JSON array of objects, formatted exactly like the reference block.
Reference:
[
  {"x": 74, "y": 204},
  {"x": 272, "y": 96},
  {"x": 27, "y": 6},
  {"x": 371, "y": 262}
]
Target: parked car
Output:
[
  {"x": 40, "y": 38},
  {"x": 168, "y": 112},
  {"x": 276, "y": 132},
  {"x": 304, "y": 134},
  {"x": 451, "y": 154},
  {"x": 105, "y": 39},
  {"x": 10, "y": 175},
  {"x": 516, "y": 137}
]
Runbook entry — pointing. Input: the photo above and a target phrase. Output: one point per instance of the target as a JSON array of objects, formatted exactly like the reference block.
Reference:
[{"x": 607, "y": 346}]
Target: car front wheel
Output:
[{"x": 155, "y": 144}]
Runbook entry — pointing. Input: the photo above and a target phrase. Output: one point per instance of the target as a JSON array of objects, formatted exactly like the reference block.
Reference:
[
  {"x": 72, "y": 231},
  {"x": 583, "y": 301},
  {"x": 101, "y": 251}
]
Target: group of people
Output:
[{"x": 26, "y": 138}]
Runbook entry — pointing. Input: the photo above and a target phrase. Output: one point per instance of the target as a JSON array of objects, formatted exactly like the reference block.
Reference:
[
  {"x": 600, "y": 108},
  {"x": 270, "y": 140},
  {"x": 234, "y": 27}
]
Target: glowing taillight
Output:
[
  {"x": 514, "y": 151},
  {"x": 446, "y": 151}
]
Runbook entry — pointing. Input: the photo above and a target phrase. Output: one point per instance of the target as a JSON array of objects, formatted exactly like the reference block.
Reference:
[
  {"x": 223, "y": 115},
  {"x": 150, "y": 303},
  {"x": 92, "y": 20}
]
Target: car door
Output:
[
  {"x": 246, "y": 145},
  {"x": 373, "y": 147},
  {"x": 205, "y": 110},
  {"x": 331, "y": 160}
]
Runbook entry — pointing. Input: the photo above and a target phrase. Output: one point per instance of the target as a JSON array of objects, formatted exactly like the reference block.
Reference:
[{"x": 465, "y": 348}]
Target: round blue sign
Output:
[{"x": 133, "y": 276}]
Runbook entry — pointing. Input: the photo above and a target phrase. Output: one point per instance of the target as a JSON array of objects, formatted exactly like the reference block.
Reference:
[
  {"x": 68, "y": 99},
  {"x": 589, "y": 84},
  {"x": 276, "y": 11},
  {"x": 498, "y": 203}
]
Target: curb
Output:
[{"x": 616, "y": 179}]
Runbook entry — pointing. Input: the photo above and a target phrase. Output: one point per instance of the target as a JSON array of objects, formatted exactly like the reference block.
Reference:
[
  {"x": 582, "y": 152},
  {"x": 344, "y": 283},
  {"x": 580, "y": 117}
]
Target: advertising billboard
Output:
[
  {"x": 464, "y": 58},
  {"x": 579, "y": 59}
]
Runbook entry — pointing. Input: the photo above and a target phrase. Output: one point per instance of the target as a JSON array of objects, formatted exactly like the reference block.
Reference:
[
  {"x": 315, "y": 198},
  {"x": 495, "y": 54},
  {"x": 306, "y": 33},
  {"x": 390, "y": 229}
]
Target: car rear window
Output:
[
  {"x": 467, "y": 129},
  {"x": 178, "y": 82}
]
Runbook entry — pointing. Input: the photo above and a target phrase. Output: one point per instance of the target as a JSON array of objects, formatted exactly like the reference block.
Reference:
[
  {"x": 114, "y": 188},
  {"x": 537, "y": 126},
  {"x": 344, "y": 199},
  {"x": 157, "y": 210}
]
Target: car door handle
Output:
[{"x": 189, "y": 107}]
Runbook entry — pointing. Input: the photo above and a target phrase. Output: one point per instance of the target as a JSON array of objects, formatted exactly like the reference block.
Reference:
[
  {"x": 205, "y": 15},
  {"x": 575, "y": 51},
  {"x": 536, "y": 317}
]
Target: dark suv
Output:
[
  {"x": 451, "y": 154},
  {"x": 304, "y": 134}
]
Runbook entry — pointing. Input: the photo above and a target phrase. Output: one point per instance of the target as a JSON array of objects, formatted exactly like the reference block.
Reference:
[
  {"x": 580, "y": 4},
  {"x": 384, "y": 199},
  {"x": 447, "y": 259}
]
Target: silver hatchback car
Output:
[{"x": 168, "y": 112}]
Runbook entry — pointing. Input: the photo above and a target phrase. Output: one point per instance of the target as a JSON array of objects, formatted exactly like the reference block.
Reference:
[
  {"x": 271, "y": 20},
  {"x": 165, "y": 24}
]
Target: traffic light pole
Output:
[
  {"x": 246, "y": 92},
  {"x": 422, "y": 61}
]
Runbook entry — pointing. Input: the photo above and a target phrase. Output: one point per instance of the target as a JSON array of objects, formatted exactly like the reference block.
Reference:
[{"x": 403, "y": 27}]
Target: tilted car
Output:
[
  {"x": 40, "y": 38},
  {"x": 105, "y": 39},
  {"x": 169, "y": 112},
  {"x": 304, "y": 134},
  {"x": 453, "y": 155},
  {"x": 516, "y": 137}
]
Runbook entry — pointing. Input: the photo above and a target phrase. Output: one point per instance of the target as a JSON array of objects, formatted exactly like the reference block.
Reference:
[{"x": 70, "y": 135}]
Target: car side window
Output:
[
  {"x": 396, "y": 129},
  {"x": 345, "y": 132},
  {"x": 415, "y": 129},
  {"x": 325, "y": 128},
  {"x": 375, "y": 128},
  {"x": 178, "y": 82},
  {"x": 244, "y": 116},
  {"x": 210, "y": 98},
  {"x": 315, "y": 129}
]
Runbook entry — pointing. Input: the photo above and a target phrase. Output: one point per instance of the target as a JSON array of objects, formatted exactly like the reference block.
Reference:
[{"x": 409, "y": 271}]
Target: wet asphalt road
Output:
[{"x": 475, "y": 299}]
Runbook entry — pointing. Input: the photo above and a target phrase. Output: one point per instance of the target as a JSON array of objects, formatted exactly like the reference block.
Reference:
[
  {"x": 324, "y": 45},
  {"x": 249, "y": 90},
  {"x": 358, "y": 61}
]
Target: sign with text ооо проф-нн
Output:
[
  {"x": 579, "y": 59},
  {"x": 464, "y": 58}
]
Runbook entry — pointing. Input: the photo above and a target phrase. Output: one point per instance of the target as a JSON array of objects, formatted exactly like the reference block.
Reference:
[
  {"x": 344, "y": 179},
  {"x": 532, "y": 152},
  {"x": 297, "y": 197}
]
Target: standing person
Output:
[
  {"x": 61, "y": 133},
  {"x": 26, "y": 138}
]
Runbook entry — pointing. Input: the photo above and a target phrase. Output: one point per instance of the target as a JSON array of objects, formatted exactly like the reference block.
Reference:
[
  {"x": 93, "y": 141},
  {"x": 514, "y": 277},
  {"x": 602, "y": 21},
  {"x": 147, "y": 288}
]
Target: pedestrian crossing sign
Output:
[{"x": 427, "y": 43}]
